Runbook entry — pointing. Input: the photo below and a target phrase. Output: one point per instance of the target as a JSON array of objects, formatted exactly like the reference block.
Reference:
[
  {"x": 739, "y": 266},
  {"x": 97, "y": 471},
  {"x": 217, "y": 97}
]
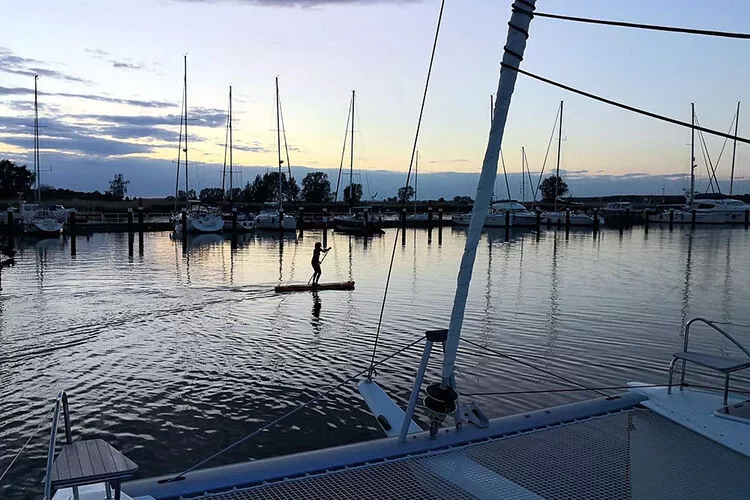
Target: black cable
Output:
[
  {"x": 324, "y": 392},
  {"x": 529, "y": 365},
  {"x": 623, "y": 106},
  {"x": 406, "y": 189},
  {"x": 690, "y": 31}
]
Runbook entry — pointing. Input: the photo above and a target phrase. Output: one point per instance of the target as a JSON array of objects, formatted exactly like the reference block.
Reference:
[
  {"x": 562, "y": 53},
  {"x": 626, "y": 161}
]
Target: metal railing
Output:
[
  {"x": 715, "y": 327},
  {"x": 62, "y": 399}
]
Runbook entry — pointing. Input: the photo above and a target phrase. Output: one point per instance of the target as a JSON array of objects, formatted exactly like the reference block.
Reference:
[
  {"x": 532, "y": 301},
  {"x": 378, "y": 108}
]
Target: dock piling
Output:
[
  {"x": 72, "y": 230},
  {"x": 693, "y": 216},
  {"x": 234, "y": 227},
  {"x": 301, "y": 221},
  {"x": 140, "y": 227},
  {"x": 596, "y": 221},
  {"x": 671, "y": 218},
  {"x": 429, "y": 217},
  {"x": 567, "y": 219},
  {"x": 184, "y": 231},
  {"x": 403, "y": 226},
  {"x": 130, "y": 232},
  {"x": 747, "y": 218},
  {"x": 9, "y": 225}
]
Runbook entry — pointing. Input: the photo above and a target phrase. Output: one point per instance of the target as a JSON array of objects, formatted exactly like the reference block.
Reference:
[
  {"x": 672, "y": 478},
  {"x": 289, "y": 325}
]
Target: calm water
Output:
[{"x": 171, "y": 356}]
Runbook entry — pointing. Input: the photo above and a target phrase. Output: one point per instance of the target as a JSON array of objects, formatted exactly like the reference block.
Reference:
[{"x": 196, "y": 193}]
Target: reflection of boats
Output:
[
  {"x": 517, "y": 216},
  {"x": 38, "y": 219},
  {"x": 610, "y": 446},
  {"x": 205, "y": 239},
  {"x": 272, "y": 217},
  {"x": 200, "y": 218}
]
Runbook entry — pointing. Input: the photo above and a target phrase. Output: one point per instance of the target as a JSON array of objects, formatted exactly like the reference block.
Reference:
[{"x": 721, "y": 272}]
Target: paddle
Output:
[{"x": 321, "y": 261}]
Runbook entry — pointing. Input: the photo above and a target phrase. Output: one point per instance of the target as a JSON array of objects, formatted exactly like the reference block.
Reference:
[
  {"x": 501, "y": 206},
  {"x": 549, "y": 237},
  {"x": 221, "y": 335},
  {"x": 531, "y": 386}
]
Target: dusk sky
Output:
[{"x": 111, "y": 82}]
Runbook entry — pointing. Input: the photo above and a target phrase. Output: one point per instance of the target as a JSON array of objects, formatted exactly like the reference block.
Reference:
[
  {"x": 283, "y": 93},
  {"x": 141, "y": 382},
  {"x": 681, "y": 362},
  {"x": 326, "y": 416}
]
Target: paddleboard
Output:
[{"x": 345, "y": 285}]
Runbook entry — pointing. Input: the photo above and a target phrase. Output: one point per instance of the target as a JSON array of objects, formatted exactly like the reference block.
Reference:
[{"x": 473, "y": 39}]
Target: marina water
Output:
[{"x": 171, "y": 355}]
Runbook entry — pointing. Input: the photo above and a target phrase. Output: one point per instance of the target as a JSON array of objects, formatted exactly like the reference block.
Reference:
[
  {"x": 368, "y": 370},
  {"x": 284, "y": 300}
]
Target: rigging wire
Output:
[
  {"x": 39, "y": 426},
  {"x": 623, "y": 106},
  {"x": 286, "y": 146},
  {"x": 406, "y": 188},
  {"x": 226, "y": 146},
  {"x": 710, "y": 168},
  {"x": 324, "y": 392},
  {"x": 505, "y": 172},
  {"x": 622, "y": 24},
  {"x": 529, "y": 365}
]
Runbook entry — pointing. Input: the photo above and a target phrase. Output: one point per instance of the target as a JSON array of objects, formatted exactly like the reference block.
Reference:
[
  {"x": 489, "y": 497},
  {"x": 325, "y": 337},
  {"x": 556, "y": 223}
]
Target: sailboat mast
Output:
[
  {"x": 559, "y": 145},
  {"x": 278, "y": 139},
  {"x": 692, "y": 152},
  {"x": 734, "y": 148},
  {"x": 230, "y": 144},
  {"x": 185, "y": 114},
  {"x": 37, "y": 167},
  {"x": 351, "y": 160},
  {"x": 514, "y": 49}
]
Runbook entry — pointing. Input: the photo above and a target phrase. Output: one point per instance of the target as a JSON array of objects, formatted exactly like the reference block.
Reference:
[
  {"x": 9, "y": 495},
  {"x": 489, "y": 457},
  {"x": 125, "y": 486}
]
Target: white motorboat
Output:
[
  {"x": 559, "y": 218},
  {"x": 707, "y": 211},
  {"x": 504, "y": 213},
  {"x": 272, "y": 217}
]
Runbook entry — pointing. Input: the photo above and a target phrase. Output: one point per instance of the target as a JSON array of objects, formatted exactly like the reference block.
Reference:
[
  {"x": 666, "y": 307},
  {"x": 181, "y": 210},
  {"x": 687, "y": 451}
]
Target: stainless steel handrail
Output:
[
  {"x": 718, "y": 329},
  {"x": 62, "y": 398}
]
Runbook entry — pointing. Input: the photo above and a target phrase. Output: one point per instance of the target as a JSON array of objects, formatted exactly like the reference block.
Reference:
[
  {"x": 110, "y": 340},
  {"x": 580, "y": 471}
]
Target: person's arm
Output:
[{"x": 326, "y": 249}]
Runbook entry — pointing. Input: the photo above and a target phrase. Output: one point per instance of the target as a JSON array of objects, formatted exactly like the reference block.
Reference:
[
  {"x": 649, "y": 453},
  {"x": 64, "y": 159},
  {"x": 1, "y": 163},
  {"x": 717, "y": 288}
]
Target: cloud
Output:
[
  {"x": 97, "y": 52},
  {"x": 21, "y": 91},
  {"x": 457, "y": 160},
  {"x": 17, "y": 65},
  {"x": 126, "y": 65}
]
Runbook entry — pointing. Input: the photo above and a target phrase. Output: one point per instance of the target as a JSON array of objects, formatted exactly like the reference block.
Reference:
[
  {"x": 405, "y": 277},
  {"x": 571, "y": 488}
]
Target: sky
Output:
[{"x": 110, "y": 83}]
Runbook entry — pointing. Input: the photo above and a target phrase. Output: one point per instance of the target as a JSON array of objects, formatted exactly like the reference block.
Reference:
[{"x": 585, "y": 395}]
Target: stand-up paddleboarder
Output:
[{"x": 316, "y": 262}]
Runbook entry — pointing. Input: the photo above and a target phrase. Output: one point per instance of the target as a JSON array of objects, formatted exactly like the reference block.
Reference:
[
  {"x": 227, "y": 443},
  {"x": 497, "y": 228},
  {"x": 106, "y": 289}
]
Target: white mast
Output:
[
  {"x": 559, "y": 146},
  {"x": 278, "y": 142},
  {"x": 37, "y": 166},
  {"x": 514, "y": 48}
]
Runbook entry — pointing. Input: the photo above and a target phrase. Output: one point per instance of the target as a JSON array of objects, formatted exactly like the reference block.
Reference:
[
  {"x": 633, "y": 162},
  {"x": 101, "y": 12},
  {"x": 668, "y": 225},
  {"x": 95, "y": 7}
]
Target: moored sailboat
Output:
[
  {"x": 200, "y": 218},
  {"x": 38, "y": 219},
  {"x": 272, "y": 216}
]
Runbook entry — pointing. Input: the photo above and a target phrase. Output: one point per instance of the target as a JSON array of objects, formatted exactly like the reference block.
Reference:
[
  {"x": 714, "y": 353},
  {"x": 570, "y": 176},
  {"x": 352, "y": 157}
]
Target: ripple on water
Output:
[{"x": 185, "y": 353}]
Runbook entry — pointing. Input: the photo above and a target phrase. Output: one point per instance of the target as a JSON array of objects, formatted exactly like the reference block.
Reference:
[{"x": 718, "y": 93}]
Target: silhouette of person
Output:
[{"x": 316, "y": 262}]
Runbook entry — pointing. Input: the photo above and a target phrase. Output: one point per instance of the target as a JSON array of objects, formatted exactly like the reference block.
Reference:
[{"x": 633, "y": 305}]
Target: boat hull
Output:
[
  {"x": 43, "y": 227},
  {"x": 701, "y": 217},
  {"x": 498, "y": 220},
  {"x": 560, "y": 218},
  {"x": 275, "y": 222}
]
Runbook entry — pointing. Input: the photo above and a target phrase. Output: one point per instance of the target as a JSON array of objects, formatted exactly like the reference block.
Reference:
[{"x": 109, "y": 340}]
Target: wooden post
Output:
[
  {"x": 325, "y": 228},
  {"x": 429, "y": 216},
  {"x": 693, "y": 216},
  {"x": 567, "y": 218},
  {"x": 671, "y": 217},
  {"x": 9, "y": 222},
  {"x": 403, "y": 226},
  {"x": 140, "y": 226},
  {"x": 301, "y": 221},
  {"x": 184, "y": 231},
  {"x": 627, "y": 217},
  {"x": 365, "y": 215},
  {"x": 596, "y": 221},
  {"x": 130, "y": 232},
  {"x": 645, "y": 219},
  {"x": 538, "y": 219},
  {"x": 440, "y": 217},
  {"x": 234, "y": 227},
  {"x": 72, "y": 230},
  {"x": 747, "y": 218},
  {"x": 507, "y": 219}
]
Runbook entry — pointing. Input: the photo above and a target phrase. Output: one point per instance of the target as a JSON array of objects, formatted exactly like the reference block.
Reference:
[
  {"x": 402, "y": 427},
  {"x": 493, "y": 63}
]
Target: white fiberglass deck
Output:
[{"x": 632, "y": 454}]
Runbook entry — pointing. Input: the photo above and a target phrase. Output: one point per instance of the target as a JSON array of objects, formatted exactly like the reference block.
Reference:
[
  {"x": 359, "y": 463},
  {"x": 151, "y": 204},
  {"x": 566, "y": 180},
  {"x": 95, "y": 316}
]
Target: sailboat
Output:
[
  {"x": 562, "y": 217},
  {"x": 646, "y": 442},
  {"x": 363, "y": 221},
  {"x": 707, "y": 208},
  {"x": 38, "y": 219},
  {"x": 272, "y": 216},
  {"x": 417, "y": 217},
  {"x": 200, "y": 218},
  {"x": 244, "y": 222}
]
